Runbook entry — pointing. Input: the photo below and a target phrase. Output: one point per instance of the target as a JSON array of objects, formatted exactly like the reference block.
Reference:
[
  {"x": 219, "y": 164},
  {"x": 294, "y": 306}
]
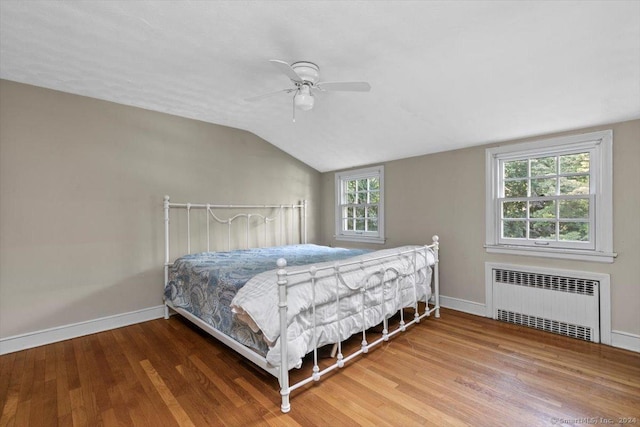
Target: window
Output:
[
  {"x": 360, "y": 205},
  {"x": 552, "y": 198}
]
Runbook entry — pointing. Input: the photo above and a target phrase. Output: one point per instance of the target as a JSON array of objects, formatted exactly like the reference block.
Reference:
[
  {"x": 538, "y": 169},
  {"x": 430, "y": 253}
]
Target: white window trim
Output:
[
  {"x": 355, "y": 174},
  {"x": 603, "y": 236}
]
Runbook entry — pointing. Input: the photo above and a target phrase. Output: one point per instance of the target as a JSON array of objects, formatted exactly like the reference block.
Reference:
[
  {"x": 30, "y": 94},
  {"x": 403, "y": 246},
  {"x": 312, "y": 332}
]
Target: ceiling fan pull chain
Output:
[{"x": 293, "y": 102}]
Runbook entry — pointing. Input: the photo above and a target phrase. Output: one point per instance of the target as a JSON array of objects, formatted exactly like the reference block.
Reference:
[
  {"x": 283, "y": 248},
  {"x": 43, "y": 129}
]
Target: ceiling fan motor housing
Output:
[{"x": 308, "y": 71}]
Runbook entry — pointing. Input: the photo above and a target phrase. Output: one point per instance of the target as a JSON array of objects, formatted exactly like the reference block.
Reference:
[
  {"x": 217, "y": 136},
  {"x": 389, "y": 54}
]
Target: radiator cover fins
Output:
[
  {"x": 561, "y": 328},
  {"x": 560, "y": 304},
  {"x": 546, "y": 281}
]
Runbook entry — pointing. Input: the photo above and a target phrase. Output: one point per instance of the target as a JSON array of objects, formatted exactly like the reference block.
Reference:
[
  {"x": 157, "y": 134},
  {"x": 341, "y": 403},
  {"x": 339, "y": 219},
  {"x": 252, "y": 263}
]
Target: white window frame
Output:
[
  {"x": 358, "y": 236},
  {"x": 600, "y": 248}
]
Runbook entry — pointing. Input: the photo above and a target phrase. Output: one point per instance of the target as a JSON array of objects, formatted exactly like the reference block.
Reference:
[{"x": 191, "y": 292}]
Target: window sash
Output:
[
  {"x": 557, "y": 220},
  {"x": 357, "y": 214}
]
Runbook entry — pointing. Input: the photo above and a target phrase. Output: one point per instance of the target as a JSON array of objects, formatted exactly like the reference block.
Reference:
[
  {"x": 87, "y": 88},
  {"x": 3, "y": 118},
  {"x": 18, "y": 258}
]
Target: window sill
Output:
[
  {"x": 572, "y": 254},
  {"x": 361, "y": 239}
]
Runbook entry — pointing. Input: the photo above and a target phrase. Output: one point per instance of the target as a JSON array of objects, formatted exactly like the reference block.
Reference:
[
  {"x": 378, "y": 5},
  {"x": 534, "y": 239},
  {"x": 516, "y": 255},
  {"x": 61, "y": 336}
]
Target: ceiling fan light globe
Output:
[{"x": 304, "y": 101}]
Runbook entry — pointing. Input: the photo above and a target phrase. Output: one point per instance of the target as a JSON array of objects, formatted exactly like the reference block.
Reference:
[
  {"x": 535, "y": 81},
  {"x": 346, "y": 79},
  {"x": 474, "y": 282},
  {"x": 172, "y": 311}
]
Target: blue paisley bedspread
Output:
[{"x": 205, "y": 283}]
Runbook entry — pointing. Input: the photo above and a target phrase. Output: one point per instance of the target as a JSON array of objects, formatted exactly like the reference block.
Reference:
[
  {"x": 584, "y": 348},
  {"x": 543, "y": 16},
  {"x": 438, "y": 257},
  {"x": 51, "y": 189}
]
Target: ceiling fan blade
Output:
[
  {"x": 267, "y": 95},
  {"x": 286, "y": 69},
  {"x": 344, "y": 86}
]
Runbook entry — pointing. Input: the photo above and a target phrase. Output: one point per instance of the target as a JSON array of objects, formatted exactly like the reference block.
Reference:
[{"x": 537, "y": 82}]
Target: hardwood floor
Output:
[{"x": 456, "y": 370}]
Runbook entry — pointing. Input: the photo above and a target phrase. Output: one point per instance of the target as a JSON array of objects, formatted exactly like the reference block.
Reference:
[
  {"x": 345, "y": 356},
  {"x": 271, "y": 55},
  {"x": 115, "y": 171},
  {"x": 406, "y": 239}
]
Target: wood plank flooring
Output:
[{"x": 456, "y": 370}]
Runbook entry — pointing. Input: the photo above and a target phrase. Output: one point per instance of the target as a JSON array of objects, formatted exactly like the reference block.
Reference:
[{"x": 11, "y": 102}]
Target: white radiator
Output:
[{"x": 555, "y": 303}]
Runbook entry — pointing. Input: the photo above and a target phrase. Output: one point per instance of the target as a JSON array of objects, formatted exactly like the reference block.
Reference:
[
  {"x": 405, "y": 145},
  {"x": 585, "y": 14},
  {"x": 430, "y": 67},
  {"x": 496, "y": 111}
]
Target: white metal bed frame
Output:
[{"x": 281, "y": 372}]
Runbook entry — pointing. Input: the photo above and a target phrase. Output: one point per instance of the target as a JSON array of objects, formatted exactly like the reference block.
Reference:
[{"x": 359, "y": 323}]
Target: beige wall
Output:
[
  {"x": 81, "y": 188},
  {"x": 444, "y": 194}
]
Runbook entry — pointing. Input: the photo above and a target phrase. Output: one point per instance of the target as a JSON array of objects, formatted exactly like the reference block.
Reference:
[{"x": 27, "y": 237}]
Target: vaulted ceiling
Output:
[{"x": 444, "y": 75}]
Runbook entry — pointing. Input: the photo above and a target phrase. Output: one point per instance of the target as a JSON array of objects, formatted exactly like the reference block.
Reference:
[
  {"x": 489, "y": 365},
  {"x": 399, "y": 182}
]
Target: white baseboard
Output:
[
  {"x": 625, "y": 340},
  {"x": 463, "y": 305},
  {"x": 65, "y": 332}
]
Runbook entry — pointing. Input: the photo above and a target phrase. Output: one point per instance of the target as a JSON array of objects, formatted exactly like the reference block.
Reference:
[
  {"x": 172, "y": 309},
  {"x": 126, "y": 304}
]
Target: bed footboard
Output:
[{"x": 282, "y": 274}]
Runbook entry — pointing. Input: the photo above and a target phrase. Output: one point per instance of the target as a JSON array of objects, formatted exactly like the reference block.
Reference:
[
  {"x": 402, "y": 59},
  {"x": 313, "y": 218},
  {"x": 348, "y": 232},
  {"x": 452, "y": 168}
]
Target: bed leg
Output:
[
  {"x": 334, "y": 350},
  {"x": 166, "y": 311},
  {"x": 285, "y": 406}
]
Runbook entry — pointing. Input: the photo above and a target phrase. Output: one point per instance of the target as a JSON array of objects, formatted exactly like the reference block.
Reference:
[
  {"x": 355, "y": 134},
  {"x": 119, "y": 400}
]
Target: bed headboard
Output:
[{"x": 243, "y": 226}]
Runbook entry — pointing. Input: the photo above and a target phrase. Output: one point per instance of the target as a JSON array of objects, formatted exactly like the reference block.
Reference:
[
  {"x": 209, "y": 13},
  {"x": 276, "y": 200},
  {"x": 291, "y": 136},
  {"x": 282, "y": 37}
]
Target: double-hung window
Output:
[
  {"x": 360, "y": 205},
  {"x": 552, "y": 198}
]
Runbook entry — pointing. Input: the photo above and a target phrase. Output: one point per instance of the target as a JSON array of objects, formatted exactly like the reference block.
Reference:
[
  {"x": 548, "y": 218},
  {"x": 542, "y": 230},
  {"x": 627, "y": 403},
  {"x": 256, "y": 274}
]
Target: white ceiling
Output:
[{"x": 444, "y": 75}]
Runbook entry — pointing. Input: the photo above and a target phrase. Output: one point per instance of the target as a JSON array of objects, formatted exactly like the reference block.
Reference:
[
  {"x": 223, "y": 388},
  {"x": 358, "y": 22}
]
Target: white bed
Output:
[{"x": 312, "y": 305}]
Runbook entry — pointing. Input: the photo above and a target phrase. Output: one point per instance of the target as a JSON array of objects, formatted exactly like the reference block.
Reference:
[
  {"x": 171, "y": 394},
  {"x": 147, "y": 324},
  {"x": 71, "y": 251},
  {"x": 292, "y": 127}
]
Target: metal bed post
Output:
[
  {"x": 304, "y": 216},
  {"x": 293, "y": 226},
  {"x": 363, "y": 292},
  {"x": 436, "y": 274},
  {"x": 284, "y": 362},
  {"x": 248, "y": 230},
  {"x": 340, "y": 357},
  {"x": 281, "y": 217},
  {"x": 266, "y": 228},
  {"x": 189, "y": 228},
  {"x": 166, "y": 249},
  {"x": 416, "y": 314},
  {"x": 208, "y": 208},
  {"x": 316, "y": 368}
]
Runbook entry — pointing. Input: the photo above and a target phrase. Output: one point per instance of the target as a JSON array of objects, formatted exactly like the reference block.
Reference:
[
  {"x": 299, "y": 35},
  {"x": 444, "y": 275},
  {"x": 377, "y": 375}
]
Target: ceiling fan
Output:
[{"x": 306, "y": 79}]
